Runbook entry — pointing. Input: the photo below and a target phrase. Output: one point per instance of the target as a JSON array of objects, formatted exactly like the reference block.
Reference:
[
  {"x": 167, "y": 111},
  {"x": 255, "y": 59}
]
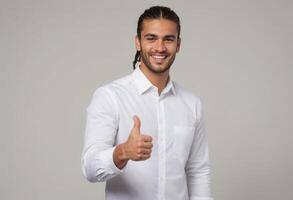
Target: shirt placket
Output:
[{"x": 161, "y": 149}]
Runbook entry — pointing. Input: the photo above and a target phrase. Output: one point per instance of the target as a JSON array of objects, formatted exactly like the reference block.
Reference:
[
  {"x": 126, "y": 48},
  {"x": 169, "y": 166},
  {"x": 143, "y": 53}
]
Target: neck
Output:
[{"x": 159, "y": 80}]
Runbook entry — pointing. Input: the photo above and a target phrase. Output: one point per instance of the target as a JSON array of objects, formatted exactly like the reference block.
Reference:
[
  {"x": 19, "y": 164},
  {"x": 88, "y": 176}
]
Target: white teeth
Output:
[{"x": 159, "y": 57}]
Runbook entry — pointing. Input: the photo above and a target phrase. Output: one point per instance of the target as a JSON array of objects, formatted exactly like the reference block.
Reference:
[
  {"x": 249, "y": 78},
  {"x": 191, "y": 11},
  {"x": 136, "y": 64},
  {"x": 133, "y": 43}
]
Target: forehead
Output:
[{"x": 159, "y": 27}]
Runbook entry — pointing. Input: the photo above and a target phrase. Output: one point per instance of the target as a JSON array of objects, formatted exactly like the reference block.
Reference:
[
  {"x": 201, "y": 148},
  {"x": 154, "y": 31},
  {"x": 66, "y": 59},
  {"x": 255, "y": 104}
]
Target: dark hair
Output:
[{"x": 155, "y": 12}]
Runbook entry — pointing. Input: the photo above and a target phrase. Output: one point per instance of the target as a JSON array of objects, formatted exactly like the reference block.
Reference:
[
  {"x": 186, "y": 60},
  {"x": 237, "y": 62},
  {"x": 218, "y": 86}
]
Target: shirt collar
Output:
[{"x": 143, "y": 83}]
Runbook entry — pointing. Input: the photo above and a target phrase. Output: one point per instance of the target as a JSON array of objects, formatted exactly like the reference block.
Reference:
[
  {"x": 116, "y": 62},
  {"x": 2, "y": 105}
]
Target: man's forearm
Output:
[{"x": 119, "y": 156}]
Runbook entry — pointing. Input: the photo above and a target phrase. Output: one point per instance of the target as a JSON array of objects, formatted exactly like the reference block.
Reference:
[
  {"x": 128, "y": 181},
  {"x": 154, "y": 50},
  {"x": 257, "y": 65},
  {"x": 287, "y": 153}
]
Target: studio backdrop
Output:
[{"x": 235, "y": 55}]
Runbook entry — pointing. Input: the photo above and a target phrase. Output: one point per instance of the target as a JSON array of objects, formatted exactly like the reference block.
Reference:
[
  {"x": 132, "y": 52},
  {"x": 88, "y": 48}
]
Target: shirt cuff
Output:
[{"x": 108, "y": 157}]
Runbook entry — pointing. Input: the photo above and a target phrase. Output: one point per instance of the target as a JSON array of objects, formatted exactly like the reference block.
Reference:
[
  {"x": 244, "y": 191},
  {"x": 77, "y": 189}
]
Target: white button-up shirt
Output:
[{"x": 179, "y": 167}]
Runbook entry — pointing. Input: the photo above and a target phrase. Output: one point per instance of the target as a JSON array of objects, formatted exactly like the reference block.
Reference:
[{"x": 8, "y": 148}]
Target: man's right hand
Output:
[{"x": 138, "y": 146}]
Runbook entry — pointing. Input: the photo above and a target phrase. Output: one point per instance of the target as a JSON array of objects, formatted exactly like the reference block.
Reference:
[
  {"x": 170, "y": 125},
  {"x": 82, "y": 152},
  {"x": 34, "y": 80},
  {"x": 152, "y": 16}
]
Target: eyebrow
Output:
[{"x": 153, "y": 35}]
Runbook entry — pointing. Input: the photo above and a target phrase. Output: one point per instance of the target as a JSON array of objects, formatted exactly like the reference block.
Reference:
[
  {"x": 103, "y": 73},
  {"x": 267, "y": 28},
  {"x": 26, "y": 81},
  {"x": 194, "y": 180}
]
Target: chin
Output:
[{"x": 159, "y": 69}]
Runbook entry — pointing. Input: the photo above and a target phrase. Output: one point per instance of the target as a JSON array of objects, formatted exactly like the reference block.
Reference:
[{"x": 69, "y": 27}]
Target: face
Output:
[{"x": 158, "y": 45}]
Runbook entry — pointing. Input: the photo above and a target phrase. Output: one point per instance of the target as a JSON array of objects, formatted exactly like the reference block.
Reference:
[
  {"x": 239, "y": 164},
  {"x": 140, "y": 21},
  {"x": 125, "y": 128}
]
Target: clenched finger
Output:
[
  {"x": 144, "y": 151},
  {"x": 147, "y": 145},
  {"x": 144, "y": 156},
  {"x": 146, "y": 138}
]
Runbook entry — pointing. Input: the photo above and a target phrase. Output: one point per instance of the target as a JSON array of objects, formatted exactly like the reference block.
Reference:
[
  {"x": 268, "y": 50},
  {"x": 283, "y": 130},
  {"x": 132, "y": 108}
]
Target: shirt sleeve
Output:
[
  {"x": 101, "y": 128},
  {"x": 198, "y": 164}
]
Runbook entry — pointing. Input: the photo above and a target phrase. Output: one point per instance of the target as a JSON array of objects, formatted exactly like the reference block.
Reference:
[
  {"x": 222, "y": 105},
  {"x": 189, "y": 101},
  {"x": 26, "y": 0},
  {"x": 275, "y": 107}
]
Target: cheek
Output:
[
  {"x": 145, "y": 48},
  {"x": 173, "y": 48},
  {"x": 148, "y": 47}
]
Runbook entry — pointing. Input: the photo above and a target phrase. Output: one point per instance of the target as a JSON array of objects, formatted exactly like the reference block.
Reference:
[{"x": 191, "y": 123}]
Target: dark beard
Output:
[{"x": 152, "y": 68}]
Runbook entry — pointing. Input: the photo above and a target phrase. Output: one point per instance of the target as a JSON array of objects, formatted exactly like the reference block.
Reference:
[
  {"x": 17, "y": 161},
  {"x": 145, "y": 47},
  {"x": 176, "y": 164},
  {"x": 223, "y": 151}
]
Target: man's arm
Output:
[
  {"x": 198, "y": 165},
  {"x": 102, "y": 161},
  {"x": 101, "y": 129}
]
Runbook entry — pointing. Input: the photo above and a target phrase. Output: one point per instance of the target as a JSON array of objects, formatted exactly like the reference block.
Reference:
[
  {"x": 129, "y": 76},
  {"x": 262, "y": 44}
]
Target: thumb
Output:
[{"x": 136, "y": 125}]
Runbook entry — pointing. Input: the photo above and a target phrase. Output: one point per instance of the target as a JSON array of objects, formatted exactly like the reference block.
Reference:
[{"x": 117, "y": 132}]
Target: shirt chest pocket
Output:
[{"x": 183, "y": 137}]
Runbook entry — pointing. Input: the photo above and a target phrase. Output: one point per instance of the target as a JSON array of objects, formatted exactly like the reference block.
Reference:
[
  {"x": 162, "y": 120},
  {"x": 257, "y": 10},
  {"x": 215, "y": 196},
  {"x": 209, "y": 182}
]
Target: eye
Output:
[
  {"x": 170, "y": 39},
  {"x": 150, "y": 39}
]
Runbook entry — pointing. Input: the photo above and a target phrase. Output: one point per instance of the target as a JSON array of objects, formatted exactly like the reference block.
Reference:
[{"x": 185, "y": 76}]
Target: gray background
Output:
[{"x": 236, "y": 55}]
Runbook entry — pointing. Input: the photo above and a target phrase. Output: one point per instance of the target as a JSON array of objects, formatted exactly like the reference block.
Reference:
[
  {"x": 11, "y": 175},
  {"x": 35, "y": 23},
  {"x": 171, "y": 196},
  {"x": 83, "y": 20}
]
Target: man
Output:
[{"x": 145, "y": 134}]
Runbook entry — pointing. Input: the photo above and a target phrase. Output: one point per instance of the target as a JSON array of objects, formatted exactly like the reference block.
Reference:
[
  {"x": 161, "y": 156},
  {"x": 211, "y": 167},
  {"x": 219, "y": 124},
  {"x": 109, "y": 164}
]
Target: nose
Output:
[{"x": 160, "y": 46}]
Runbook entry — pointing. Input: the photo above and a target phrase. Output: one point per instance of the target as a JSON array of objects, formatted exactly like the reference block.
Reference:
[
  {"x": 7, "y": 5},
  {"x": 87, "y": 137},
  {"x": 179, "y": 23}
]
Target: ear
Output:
[
  {"x": 178, "y": 45},
  {"x": 137, "y": 43}
]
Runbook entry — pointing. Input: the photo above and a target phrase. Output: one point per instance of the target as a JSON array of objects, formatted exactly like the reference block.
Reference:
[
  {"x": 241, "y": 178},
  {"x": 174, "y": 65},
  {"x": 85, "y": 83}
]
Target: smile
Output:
[{"x": 159, "y": 58}]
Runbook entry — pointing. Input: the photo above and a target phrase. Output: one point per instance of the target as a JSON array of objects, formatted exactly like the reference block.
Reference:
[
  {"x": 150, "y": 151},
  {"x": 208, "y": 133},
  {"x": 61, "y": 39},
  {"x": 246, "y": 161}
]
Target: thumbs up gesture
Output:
[{"x": 138, "y": 146}]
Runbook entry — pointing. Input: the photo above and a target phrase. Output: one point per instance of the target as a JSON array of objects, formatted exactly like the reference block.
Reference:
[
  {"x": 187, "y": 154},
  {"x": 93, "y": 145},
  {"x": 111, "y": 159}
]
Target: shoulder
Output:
[
  {"x": 112, "y": 87},
  {"x": 105, "y": 98},
  {"x": 193, "y": 101}
]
